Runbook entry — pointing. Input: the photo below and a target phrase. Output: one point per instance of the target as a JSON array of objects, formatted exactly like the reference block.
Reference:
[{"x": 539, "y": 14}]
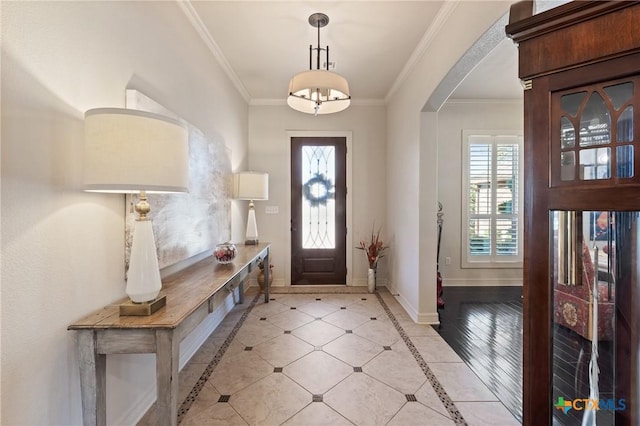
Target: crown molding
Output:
[
  {"x": 193, "y": 17},
  {"x": 438, "y": 22}
]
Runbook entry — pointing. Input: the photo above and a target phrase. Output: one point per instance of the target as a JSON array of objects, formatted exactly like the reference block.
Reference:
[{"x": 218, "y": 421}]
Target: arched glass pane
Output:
[
  {"x": 571, "y": 103},
  {"x": 624, "y": 129},
  {"x": 619, "y": 94},
  {"x": 567, "y": 133},
  {"x": 595, "y": 122}
]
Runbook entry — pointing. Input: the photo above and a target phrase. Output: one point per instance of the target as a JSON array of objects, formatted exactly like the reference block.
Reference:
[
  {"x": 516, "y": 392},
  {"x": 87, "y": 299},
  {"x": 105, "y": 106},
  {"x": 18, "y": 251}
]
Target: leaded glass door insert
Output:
[{"x": 318, "y": 210}]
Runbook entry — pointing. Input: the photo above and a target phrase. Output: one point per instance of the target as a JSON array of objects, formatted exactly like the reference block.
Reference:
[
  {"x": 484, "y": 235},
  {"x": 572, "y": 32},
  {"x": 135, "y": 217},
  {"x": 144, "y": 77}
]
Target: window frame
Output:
[{"x": 493, "y": 260}]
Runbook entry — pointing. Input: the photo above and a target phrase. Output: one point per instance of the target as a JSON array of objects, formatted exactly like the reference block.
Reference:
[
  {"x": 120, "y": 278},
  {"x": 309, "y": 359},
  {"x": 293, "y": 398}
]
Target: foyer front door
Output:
[{"x": 318, "y": 210}]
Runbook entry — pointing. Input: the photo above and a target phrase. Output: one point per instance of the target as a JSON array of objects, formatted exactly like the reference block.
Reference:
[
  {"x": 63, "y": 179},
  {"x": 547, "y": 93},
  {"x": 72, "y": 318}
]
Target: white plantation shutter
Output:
[{"x": 491, "y": 203}]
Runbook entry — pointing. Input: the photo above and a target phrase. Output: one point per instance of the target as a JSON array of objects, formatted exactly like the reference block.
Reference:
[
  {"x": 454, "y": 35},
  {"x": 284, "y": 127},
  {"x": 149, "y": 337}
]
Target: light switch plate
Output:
[{"x": 271, "y": 210}]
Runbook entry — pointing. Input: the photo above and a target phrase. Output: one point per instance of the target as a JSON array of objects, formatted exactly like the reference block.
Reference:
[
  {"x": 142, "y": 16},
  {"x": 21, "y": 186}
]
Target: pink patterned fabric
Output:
[{"x": 572, "y": 304}]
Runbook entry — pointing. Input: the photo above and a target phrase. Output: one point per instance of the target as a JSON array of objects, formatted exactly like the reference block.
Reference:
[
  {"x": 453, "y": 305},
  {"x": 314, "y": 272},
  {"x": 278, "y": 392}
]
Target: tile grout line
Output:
[
  {"x": 195, "y": 391},
  {"x": 435, "y": 384}
]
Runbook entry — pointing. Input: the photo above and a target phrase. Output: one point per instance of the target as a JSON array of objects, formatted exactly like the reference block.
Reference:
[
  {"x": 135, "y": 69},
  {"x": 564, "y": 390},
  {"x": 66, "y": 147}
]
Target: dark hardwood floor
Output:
[{"x": 484, "y": 326}]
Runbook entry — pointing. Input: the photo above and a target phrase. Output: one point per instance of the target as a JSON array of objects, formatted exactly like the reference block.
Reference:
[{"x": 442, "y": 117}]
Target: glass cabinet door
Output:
[{"x": 594, "y": 258}]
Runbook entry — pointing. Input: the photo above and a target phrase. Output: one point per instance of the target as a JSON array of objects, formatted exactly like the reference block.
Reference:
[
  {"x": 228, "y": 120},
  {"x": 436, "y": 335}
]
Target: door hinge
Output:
[{"x": 527, "y": 84}]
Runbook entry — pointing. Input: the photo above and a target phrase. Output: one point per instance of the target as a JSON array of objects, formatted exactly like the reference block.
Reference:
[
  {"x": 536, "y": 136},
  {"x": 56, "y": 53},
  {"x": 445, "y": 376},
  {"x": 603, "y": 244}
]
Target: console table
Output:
[{"x": 190, "y": 299}]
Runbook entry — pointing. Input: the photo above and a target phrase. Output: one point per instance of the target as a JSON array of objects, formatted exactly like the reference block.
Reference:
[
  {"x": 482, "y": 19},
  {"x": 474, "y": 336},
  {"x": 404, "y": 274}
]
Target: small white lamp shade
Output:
[
  {"x": 131, "y": 151},
  {"x": 251, "y": 186}
]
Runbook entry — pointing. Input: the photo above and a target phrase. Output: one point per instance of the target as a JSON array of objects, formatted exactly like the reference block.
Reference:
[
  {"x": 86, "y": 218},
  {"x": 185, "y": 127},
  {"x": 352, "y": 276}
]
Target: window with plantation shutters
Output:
[{"x": 492, "y": 200}]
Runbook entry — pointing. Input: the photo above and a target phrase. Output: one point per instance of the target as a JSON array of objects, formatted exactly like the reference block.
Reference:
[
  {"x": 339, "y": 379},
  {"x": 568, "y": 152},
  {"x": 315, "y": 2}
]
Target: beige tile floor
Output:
[{"x": 330, "y": 359}]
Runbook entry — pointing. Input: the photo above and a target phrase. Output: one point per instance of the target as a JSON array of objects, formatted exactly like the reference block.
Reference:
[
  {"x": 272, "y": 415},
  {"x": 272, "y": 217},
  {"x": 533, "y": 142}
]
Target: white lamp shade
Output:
[
  {"x": 251, "y": 186},
  {"x": 128, "y": 151},
  {"x": 333, "y": 88}
]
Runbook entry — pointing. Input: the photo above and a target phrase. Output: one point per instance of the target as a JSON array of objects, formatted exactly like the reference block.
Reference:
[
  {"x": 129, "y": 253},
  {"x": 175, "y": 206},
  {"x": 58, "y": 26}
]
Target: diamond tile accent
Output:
[
  {"x": 357, "y": 369},
  {"x": 317, "y": 348},
  {"x": 224, "y": 398},
  {"x": 271, "y": 400},
  {"x": 290, "y": 320},
  {"x": 381, "y": 332},
  {"x": 318, "y": 415},
  {"x": 348, "y": 331},
  {"x": 317, "y": 308},
  {"x": 318, "y": 372},
  {"x": 277, "y": 370},
  {"x": 346, "y": 319},
  {"x": 318, "y": 333},
  {"x": 248, "y": 348},
  {"x": 386, "y": 348},
  {"x": 352, "y": 349},
  {"x": 317, "y": 398},
  {"x": 283, "y": 350},
  {"x": 263, "y": 319},
  {"x": 364, "y": 400},
  {"x": 239, "y": 370},
  {"x": 287, "y": 332},
  {"x": 411, "y": 398}
]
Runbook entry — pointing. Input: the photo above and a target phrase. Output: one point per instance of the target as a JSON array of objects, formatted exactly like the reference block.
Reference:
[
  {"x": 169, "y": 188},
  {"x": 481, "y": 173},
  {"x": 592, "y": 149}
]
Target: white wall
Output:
[
  {"x": 270, "y": 152},
  {"x": 453, "y": 118},
  {"x": 63, "y": 249},
  {"x": 411, "y": 159}
]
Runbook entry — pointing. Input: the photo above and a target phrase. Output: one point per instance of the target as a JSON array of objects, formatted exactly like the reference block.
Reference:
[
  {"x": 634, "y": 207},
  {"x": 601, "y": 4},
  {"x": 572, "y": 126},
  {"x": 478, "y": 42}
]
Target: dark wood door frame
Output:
[{"x": 349, "y": 243}]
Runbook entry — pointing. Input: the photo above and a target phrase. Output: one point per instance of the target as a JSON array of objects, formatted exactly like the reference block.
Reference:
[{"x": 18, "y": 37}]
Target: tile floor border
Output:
[
  {"x": 446, "y": 400},
  {"x": 195, "y": 391}
]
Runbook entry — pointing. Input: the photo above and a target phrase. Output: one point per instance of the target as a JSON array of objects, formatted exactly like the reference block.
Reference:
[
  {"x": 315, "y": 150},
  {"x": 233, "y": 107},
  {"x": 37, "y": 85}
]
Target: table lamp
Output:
[
  {"x": 251, "y": 186},
  {"x": 131, "y": 151}
]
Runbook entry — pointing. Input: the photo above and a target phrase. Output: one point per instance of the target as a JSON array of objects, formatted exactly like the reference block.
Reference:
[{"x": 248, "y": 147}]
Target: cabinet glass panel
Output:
[
  {"x": 593, "y": 258},
  {"x": 595, "y": 163},
  {"x": 595, "y": 133},
  {"x": 625, "y": 126}
]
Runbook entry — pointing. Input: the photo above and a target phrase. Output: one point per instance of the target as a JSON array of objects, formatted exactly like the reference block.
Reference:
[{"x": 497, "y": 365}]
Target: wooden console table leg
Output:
[
  {"x": 167, "y": 361},
  {"x": 93, "y": 369},
  {"x": 241, "y": 292},
  {"x": 267, "y": 272}
]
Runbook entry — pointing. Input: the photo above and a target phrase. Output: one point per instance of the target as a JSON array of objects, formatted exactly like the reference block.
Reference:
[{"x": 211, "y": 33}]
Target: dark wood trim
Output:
[
  {"x": 523, "y": 24},
  {"x": 548, "y": 43}
]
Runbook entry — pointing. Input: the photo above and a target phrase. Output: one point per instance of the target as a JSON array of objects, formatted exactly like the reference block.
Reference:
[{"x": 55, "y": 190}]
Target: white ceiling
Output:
[{"x": 263, "y": 43}]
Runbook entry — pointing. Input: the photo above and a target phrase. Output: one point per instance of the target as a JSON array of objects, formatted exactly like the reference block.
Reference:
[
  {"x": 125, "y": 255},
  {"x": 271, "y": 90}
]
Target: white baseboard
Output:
[
  {"x": 428, "y": 319},
  {"x": 483, "y": 282}
]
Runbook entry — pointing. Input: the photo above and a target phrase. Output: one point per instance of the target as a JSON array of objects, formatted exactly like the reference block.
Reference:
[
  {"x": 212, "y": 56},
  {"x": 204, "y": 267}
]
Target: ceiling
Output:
[{"x": 263, "y": 43}]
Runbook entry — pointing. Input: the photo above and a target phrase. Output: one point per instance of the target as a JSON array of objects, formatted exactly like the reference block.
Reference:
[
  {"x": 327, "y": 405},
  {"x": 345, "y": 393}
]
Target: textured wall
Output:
[{"x": 62, "y": 249}]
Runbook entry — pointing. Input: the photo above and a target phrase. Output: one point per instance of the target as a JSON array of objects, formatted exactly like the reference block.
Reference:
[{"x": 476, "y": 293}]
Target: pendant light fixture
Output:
[{"x": 318, "y": 91}]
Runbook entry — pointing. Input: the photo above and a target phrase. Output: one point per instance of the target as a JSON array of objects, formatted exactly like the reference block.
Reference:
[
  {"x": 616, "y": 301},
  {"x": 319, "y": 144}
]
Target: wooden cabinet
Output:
[{"x": 580, "y": 65}]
